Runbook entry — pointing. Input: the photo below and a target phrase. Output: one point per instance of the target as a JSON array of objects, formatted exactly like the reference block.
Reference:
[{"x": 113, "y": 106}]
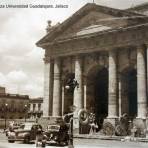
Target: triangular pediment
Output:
[
  {"x": 92, "y": 18},
  {"x": 88, "y": 19}
]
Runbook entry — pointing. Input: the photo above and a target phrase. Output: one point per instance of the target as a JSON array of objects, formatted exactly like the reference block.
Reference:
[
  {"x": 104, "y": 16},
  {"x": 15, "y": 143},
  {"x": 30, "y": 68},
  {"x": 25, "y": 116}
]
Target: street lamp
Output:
[
  {"x": 71, "y": 84},
  {"x": 6, "y": 105},
  {"x": 25, "y": 111}
]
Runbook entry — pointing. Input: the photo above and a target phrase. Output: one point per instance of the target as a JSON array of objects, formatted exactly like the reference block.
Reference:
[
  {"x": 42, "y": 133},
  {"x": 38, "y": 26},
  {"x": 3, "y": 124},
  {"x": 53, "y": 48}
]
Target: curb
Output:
[{"x": 116, "y": 138}]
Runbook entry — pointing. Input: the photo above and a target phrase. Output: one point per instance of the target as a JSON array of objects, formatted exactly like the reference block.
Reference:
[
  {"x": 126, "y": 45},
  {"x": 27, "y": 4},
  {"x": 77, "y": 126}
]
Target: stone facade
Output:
[
  {"x": 106, "y": 51},
  {"x": 35, "y": 108}
]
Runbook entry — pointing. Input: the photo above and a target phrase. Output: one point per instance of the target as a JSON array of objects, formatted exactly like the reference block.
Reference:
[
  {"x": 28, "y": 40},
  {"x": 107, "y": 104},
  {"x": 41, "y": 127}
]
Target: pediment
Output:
[
  {"x": 93, "y": 18},
  {"x": 89, "y": 18}
]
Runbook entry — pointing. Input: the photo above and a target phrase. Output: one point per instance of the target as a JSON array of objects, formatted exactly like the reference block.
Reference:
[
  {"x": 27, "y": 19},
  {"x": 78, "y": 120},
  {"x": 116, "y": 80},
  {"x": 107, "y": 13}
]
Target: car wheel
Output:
[
  {"x": 11, "y": 141},
  {"x": 27, "y": 140}
]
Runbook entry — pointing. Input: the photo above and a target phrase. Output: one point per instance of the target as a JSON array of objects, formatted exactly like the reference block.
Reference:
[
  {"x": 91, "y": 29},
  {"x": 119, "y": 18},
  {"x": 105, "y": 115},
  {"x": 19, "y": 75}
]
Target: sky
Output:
[{"x": 21, "y": 61}]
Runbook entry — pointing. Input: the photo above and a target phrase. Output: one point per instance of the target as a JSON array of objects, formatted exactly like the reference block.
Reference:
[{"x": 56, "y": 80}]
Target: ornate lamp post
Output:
[
  {"x": 6, "y": 107},
  {"x": 71, "y": 85}
]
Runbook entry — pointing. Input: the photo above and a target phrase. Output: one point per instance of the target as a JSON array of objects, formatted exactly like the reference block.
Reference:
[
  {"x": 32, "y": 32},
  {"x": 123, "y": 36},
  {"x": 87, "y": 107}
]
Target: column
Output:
[
  {"x": 78, "y": 97},
  {"x": 85, "y": 91},
  {"x": 48, "y": 74},
  {"x": 141, "y": 83},
  {"x": 63, "y": 101},
  {"x": 85, "y": 95},
  {"x": 119, "y": 93},
  {"x": 56, "y": 112},
  {"x": 147, "y": 68},
  {"x": 112, "y": 99},
  {"x": 78, "y": 101}
]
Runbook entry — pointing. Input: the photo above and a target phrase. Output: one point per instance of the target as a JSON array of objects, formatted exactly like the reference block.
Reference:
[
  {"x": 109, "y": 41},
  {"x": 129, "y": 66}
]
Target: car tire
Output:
[
  {"x": 27, "y": 140},
  {"x": 11, "y": 141}
]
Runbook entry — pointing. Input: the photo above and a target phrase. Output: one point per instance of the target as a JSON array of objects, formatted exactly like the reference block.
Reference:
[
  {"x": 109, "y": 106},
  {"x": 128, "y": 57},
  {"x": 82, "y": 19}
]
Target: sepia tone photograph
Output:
[{"x": 74, "y": 73}]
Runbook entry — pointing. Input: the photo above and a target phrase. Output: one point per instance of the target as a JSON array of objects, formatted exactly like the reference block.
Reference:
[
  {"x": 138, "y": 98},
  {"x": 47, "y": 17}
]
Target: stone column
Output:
[
  {"x": 141, "y": 83},
  {"x": 78, "y": 97},
  {"x": 63, "y": 101},
  {"x": 56, "y": 112},
  {"x": 120, "y": 95},
  {"x": 85, "y": 95},
  {"x": 78, "y": 101},
  {"x": 48, "y": 74},
  {"x": 147, "y": 72},
  {"x": 112, "y": 100},
  {"x": 85, "y": 92}
]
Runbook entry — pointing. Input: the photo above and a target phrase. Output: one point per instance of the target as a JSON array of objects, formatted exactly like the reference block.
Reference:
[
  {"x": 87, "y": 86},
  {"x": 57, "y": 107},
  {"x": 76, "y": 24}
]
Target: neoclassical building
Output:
[
  {"x": 35, "y": 108},
  {"x": 106, "y": 51}
]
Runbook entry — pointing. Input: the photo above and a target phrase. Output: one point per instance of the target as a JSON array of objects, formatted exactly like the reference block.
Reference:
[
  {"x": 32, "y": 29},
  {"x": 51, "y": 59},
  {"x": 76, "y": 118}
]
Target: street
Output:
[{"x": 78, "y": 143}]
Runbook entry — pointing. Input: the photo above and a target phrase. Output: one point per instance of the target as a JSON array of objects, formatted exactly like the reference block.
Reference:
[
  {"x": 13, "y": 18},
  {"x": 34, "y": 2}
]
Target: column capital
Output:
[
  {"x": 79, "y": 57},
  {"x": 141, "y": 46},
  {"x": 146, "y": 44},
  {"x": 57, "y": 60},
  {"x": 47, "y": 60}
]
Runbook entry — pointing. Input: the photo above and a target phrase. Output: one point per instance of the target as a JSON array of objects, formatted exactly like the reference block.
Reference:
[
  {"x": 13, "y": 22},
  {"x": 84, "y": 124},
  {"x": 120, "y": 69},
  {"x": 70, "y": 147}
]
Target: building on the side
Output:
[
  {"x": 35, "y": 109},
  {"x": 106, "y": 51},
  {"x": 2, "y": 90},
  {"x": 13, "y": 106}
]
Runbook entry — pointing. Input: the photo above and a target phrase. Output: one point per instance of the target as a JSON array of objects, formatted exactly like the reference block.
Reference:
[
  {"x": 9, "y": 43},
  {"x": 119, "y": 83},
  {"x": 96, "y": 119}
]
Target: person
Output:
[
  {"x": 92, "y": 123},
  {"x": 124, "y": 121},
  {"x": 40, "y": 138},
  {"x": 11, "y": 126}
]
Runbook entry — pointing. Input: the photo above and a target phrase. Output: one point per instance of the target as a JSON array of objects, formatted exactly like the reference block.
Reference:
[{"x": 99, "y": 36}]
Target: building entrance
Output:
[{"x": 97, "y": 94}]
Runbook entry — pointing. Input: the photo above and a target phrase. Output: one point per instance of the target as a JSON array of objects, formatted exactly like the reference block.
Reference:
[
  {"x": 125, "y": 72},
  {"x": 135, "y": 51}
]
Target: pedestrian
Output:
[{"x": 40, "y": 139}]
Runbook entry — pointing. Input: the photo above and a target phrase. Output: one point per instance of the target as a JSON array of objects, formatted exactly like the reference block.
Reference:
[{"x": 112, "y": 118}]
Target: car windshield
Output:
[{"x": 26, "y": 126}]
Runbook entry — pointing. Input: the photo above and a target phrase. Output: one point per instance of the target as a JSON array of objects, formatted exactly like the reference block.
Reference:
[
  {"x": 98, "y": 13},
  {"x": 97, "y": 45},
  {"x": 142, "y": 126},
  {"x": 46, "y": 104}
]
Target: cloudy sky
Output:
[{"x": 21, "y": 64}]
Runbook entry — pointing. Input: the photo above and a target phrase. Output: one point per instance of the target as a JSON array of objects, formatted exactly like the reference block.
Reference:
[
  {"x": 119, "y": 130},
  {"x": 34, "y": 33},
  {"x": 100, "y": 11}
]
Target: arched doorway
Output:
[
  {"x": 97, "y": 93},
  {"x": 129, "y": 92}
]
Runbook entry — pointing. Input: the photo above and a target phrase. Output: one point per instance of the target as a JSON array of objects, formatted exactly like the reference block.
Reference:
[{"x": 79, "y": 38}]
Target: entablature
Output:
[{"x": 123, "y": 37}]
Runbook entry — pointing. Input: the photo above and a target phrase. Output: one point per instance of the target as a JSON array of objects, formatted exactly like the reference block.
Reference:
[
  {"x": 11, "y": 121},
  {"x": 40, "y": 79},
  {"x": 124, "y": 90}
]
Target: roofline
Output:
[
  {"x": 16, "y": 96},
  {"x": 82, "y": 12}
]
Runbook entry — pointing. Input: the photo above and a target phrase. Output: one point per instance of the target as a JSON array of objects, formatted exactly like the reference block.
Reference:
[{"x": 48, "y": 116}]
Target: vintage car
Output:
[
  {"x": 57, "y": 134},
  {"x": 26, "y": 132},
  {"x": 12, "y": 128}
]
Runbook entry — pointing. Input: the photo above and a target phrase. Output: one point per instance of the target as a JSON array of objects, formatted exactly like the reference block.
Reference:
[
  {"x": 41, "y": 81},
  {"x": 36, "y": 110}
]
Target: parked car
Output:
[
  {"x": 11, "y": 128},
  {"x": 26, "y": 132},
  {"x": 57, "y": 134}
]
